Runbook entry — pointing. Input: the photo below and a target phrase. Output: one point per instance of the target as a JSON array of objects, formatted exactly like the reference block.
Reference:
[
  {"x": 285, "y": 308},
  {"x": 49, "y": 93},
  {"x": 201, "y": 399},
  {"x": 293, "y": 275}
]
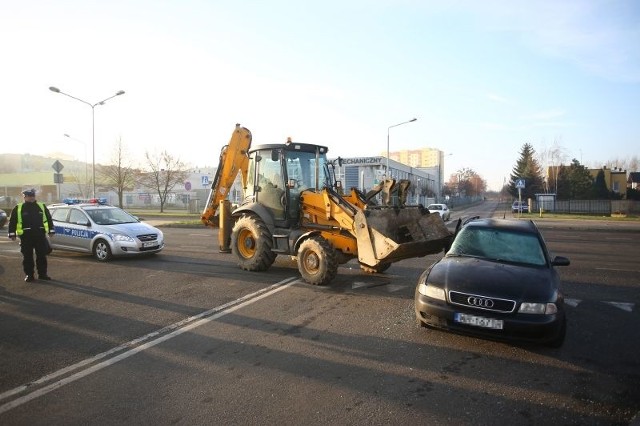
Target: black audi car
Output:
[{"x": 497, "y": 280}]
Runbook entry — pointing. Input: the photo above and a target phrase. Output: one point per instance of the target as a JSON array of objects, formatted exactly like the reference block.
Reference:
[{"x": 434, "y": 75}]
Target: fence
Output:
[{"x": 596, "y": 207}]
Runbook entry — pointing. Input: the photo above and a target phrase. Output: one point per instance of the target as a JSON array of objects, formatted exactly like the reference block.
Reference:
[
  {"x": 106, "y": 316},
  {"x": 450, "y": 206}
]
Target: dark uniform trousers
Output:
[{"x": 31, "y": 240}]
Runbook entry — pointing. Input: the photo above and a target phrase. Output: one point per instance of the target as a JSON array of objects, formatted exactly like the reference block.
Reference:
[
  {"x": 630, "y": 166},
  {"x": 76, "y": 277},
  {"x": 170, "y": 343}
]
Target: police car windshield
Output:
[{"x": 110, "y": 216}]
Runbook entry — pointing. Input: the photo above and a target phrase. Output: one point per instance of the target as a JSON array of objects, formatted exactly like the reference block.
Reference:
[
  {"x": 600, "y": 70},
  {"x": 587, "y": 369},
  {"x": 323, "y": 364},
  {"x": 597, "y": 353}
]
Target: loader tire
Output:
[
  {"x": 378, "y": 269},
  {"x": 252, "y": 244},
  {"x": 317, "y": 261}
]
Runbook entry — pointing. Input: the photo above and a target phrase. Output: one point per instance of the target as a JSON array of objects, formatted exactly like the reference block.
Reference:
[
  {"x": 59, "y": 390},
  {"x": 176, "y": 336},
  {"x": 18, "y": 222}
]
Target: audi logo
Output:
[{"x": 480, "y": 302}]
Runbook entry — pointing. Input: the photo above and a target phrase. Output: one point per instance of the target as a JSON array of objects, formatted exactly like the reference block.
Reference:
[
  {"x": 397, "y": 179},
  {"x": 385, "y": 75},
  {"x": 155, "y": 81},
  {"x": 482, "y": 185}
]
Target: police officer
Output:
[{"x": 31, "y": 222}]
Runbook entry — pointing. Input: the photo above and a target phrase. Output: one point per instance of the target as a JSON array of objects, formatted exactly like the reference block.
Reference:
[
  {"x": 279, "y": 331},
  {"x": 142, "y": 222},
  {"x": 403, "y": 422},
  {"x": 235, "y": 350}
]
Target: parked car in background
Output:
[
  {"x": 103, "y": 231},
  {"x": 520, "y": 207},
  {"x": 3, "y": 218},
  {"x": 497, "y": 280},
  {"x": 441, "y": 209}
]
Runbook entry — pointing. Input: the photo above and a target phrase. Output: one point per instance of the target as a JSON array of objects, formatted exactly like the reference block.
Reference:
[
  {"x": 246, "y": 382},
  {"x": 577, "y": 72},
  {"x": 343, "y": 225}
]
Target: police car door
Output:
[
  {"x": 78, "y": 230},
  {"x": 60, "y": 222}
]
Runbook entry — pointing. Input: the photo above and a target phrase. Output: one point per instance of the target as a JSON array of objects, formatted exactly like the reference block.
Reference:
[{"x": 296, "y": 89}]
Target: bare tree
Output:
[
  {"x": 550, "y": 160},
  {"x": 466, "y": 182},
  {"x": 83, "y": 186},
  {"x": 629, "y": 164},
  {"x": 165, "y": 172},
  {"x": 119, "y": 175}
]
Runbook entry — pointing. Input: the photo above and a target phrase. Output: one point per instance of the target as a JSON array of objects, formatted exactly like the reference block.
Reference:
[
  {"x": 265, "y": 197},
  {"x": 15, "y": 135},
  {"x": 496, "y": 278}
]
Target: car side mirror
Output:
[{"x": 560, "y": 261}]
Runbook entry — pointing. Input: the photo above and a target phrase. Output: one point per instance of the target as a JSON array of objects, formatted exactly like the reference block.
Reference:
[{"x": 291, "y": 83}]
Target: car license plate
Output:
[
  {"x": 149, "y": 244},
  {"x": 478, "y": 321}
]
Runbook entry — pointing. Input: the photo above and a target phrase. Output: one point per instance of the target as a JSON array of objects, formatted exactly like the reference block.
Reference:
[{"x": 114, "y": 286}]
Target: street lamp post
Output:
[
  {"x": 93, "y": 127},
  {"x": 86, "y": 173},
  {"x": 389, "y": 128}
]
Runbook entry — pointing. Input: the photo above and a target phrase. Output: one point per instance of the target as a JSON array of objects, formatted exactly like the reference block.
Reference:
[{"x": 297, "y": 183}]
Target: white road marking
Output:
[
  {"x": 135, "y": 346},
  {"x": 358, "y": 284},
  {"x": 616, "y": 270},
  {"x": 392, "y": 288},
  {"x": 572, "y": 302},
  {"x": 624, "y": 306}
]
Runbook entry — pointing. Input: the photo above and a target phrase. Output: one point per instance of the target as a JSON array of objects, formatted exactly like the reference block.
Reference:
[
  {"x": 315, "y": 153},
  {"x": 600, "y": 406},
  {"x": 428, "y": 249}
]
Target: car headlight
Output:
[
  {"x": 431, "y": 291},
  {"x": 122, "y": 237},
  {"x": 538, "y": 308}
]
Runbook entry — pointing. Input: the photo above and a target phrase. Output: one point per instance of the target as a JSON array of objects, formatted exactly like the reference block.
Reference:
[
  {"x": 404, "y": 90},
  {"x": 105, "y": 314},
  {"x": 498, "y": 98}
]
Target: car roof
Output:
[
  {"x": 524, "y": 226},
  {"x": 84, "y": 206}
]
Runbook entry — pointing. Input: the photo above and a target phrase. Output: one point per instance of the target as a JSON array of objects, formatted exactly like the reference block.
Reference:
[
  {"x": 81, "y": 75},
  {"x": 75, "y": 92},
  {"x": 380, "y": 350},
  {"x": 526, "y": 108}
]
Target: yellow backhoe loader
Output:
[{"x": 294, "y": 206}]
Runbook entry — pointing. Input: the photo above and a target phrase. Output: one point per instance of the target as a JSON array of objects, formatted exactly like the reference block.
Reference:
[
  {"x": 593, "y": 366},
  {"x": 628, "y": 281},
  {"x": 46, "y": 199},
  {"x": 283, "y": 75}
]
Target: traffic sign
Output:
[
  {"x": 57, "y": 166},
  {"x": 520, "y": 183}
]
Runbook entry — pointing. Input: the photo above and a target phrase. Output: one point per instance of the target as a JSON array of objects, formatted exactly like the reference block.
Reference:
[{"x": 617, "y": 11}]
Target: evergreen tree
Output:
[
  {"x": 529, "y": 169},
  {"x": 564, "y": 183},
  {"x": 600, "y": 190},
  {"x": 581, "y": 182},
  {"x": 633, "y": 194}
]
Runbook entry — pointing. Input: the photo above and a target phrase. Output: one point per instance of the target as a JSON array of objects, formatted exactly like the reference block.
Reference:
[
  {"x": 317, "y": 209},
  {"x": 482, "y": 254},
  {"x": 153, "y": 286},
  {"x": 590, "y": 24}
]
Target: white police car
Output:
[{"x": 102, "y": 230}]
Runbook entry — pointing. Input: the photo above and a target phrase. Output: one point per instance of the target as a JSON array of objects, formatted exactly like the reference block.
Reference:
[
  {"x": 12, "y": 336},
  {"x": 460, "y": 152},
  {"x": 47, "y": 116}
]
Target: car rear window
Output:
[
  {"x": 497, "y": 244},
  {"x": 60, "y": 214}
]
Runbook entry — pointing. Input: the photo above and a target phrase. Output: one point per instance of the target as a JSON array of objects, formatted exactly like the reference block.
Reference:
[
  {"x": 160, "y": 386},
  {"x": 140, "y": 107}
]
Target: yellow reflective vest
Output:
[{"x": 45, "y": 222}]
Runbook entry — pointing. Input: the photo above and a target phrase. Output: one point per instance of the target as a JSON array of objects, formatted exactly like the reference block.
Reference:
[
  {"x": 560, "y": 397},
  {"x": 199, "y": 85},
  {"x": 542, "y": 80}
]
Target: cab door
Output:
[{"x": 271, "y": 188}]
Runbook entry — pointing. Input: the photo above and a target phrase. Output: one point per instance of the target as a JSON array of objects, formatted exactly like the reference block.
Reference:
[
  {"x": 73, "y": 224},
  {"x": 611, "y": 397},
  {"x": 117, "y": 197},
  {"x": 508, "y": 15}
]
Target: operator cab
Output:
[{"x": 279, "y": 173}]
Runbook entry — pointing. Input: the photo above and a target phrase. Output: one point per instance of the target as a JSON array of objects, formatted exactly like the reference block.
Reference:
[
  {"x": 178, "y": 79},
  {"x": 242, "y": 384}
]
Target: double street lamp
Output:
[
  {"x": 389, "y": 128},
  {"x": 93, "y": 127}
]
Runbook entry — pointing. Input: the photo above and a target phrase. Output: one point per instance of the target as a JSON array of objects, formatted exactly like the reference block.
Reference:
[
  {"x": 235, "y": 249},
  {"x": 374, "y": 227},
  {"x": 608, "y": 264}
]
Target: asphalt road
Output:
[{"x": 186, "y": 337}]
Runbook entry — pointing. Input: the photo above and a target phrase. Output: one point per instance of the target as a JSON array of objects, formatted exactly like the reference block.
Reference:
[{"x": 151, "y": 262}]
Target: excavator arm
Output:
[{"x": 234, "y": 159}]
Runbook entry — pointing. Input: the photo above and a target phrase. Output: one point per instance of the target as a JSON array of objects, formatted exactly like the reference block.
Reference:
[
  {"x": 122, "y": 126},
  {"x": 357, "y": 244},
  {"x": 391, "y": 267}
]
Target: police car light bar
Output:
[{"x": 101, "y": 201}]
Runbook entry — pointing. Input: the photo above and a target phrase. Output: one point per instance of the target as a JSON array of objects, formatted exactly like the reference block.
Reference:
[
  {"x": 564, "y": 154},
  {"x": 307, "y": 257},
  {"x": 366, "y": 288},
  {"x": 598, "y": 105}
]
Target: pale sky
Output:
[{"x": 481, "y": 77}]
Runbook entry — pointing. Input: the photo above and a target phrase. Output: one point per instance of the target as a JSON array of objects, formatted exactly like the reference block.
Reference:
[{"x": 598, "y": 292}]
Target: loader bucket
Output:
[{"x": 388, "y": 234}]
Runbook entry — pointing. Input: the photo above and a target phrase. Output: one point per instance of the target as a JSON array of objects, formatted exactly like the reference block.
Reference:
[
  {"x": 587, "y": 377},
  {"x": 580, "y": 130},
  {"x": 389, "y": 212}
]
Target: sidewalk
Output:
[{"x": 164, "y": 219}]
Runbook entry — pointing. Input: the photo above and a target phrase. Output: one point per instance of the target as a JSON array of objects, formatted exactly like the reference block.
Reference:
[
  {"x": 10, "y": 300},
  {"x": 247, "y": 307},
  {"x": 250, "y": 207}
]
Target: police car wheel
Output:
[{"x": 102, "y": 251}]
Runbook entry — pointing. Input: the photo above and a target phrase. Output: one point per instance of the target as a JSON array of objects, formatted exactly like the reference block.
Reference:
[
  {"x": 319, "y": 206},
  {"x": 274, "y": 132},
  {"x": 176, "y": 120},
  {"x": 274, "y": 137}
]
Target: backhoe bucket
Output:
[{"x": 388, "y": 234}]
